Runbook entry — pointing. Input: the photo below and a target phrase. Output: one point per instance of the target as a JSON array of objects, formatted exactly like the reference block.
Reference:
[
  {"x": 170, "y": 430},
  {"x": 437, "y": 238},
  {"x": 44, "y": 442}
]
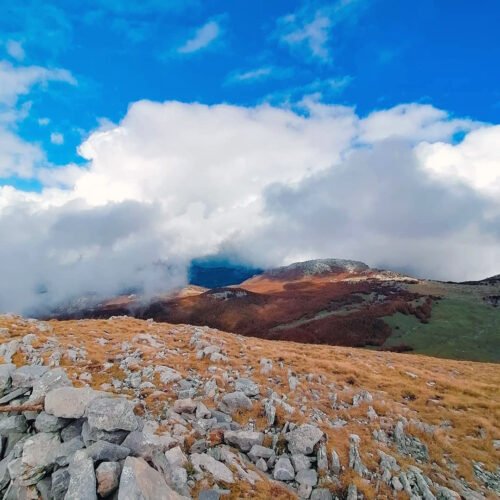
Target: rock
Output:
[
  {"x": 108, "y": 477},
  {"x": 322, "y": 458},
  {"x": 27, "y": 375},
  {"x": 259, "y": 451},
  {"x": 293, "y": 382},
  {"x": 217, "y": 469},
  {"x": 355, "y": 462},
  {"x": 247, "y": 387},
  {"x": 304, "y": 490},
  {"x": 60, "y": 483},
  {"x": 72, "y": 430},
  {"x": 234, "y": 401},
  {"x": 49, "y": 423},
  {"x": 209, "y": 495},
  {"x": 70, "y": 402},
  {"x": 362, "y": 397},
  {"x": 8, "y": 350},
  {"x": 202, "y": 411},
  {"x": 139, "y": 481},
  {"x": 321, "y": 494},
  {"x": 65, "y": 452},
  {"x": 335, "y": 467},
  {"x": 244, "y": 440},
  {"x": 40, "y": 450},
  {"x": 82, "y": 482},
  {"x": 352, "y": 492},
  {"x": 283, "y": 470},
  {"x": 6, "y": 371},
  {"x": 43, "y": 488},
  {"x": 49, "y": 380},
  {"x": 111, "y": 414},
  {"x": 303, "y": 439},
  {"x": 185, "y": 406},
  {"x": 266, "y": 366},
  {"x": 92, "y": 434},
  {"x": 102, "y": 450},
  {"x": 270, "y": 411},
  {"x": 300, "y": 462},
  {"x": 261, "y": 464},
  {"x": 144, "y": 444},
  {"x": 410, "y": 445},
  {"x": 15, "y": 424},
  {"x": 14, "y": 394},
  {"x": 175, "y": 457},
  {"x": 308, "y": 477}
]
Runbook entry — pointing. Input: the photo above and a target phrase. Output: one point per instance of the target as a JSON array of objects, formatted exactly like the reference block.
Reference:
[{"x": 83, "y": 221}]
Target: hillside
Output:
[
  {"x": 222, "y": 414},
  {"x": 337, "y": 302}
]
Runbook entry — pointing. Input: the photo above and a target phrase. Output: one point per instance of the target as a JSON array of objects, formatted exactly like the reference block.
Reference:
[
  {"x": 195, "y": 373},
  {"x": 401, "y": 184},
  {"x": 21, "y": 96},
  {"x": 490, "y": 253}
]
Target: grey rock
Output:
[
  {"x": 352, "y": 492},
  {"x": 60, "y": 483},
  {"x": 175, "y": 457},
  {"x": 257, "y": 451},
  {"x": 321, "y": 494},
  {"x": 102, "y": 450},
  {"x": 43, "y": 487},
  {"x": 49, "y": 380},
  {"x": 92, "y": 434},
  {"x": 185, "y": 406},
  {"x": 261, "y": 464},
  {"x": 362, "y": 397},
  {"x": 6, "y": 371},
  {"x": 21, "y": 391},
  {"x": 202, "y": 411},
  {"x": 308, "y": 477},
  {"x": 247, "y": 387},
  {"x": 283, "y": 470},
  {"x": 40, "y": 450},
  {"x": 72, "y": 430},
  {"x": 110, "y": 414},
  {"x": 70, "y": 402},
  {"x": 27, "y": 375},
  {"x": 304, "y": 490},
  {"x": 218, "y": 470},
  {"x": 139, "y": 481},
  {"x": 4, "y": 471},
  {"x": 49, "y": 423},
  {"x": 303, "y": 439},
  {"x": 244, "y": 440},
  {"x": 65, "y": 452},
  {"x": 14, "y": 424},
  {"x": 335, "y": 466},
  {"x": 82, "y": 482},
  {"x": 322, "y": 458},
  {"x": 143, "y": 444},
  {"x": 266, "y": 366},
  {"x": 355, "y": 462},
  {"x": 300, "y": 462},
  {"x": 410, "y": 445},
  {"x": 108, "y": 477},
  {"x": 234, "y": 401},
  {"x": 270, "y": 411}
]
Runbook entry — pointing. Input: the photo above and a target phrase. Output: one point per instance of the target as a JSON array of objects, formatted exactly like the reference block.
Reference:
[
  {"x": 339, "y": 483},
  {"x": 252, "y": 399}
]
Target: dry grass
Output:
[{"x": 430, "y": 390}]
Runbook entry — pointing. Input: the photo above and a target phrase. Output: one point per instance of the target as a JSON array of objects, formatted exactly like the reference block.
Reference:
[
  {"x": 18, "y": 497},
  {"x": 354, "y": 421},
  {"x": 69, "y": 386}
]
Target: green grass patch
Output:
[{"x": 460, "y": 328}]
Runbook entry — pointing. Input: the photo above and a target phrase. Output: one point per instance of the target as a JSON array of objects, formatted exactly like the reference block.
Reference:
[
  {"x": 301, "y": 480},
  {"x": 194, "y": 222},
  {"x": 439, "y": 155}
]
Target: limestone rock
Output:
[
  {"x": 303, "y": 439},
  {"x": 111, "y": 414},
  {"x": 70, "y": 402}
]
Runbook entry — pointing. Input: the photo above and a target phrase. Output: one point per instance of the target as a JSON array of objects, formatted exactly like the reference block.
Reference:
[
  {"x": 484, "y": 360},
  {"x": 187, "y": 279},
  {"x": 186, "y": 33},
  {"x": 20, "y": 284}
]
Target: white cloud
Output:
[
  {"x": 309, "y": 30},
  {"x": 15, "y": 50},
  {"x": 258, "y": 74},
  {"x": 173, "y": 181},
  {"x": 43, "y": 122},
  {"x": 202, "y": 38},
  {"x": 56, "y": 138}
]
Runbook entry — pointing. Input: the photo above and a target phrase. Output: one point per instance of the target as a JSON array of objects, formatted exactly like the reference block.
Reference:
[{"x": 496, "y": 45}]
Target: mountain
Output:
[
  {"x": 336, "y": 302},
  {"x": 124, "y": 408}
]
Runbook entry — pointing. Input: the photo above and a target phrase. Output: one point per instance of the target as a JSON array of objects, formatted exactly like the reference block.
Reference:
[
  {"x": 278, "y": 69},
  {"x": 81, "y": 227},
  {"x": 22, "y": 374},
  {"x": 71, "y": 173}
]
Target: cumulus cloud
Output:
[
  {"x": 202, "y": 38},
  {"x": 15, "y": 49},
  {"x": 270, "y": 185},
  {"x": 57, "y": 138}
]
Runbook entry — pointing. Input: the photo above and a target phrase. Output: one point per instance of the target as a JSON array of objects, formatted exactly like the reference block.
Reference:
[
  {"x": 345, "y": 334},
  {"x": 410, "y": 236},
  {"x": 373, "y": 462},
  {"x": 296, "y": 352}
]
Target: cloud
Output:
[
  {"x": 17, "y": 156},
  {"x": 56, "y": 138},
  {"x": 173, "y": 181},
  {"x": 202, "y": 38},
  {"x": 258, "y": 74},
  {"x": 308, "y": 31},
  {"x": 15, "y": 50}
]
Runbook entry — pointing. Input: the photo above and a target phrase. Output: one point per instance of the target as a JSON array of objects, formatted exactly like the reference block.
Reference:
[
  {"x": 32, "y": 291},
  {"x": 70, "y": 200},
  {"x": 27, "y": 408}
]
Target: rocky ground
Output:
[{"x": 131, "y": 409}]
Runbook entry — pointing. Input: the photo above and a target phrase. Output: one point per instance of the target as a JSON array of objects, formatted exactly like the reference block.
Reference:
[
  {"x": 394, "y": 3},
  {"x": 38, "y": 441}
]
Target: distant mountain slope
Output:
[{"x": 336, "y": 302}]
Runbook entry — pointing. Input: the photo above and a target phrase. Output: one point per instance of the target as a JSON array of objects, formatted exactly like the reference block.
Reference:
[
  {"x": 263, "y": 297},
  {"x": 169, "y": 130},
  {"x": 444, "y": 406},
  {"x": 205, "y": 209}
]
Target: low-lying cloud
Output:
[{"x": 173, "y": 181}]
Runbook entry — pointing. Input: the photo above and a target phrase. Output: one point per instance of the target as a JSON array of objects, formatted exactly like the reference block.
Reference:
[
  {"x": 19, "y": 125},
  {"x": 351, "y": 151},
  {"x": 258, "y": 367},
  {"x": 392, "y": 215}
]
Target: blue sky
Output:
[{"x": 369, "y": 54}]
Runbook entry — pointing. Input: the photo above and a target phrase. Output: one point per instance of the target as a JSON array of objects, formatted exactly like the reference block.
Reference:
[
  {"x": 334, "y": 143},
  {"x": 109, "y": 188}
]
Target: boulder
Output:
[
  {"x": 300, "y": 462},
  {"x": 144, "y": 444},
  {"x": 234, "y": 401},
  {"x": 13, "y": 425},
  {"x": 185, "y": 406},
  {"x": 321, "y": 494},
  {"x": 27, "y": 375},
  {"x": 49, "y": 380},
  {"x": 139, "y": 481},
  {"x": 257, "y": 451},
  {"x": 40, "y": 450},
  {"x": 60, "y": 483},
  {"x": 65, "y": 452},
  {"x": 49, "y": 423},
  {"x": 82, "y": 482},
  {"x": 6, "y": 371},
  {"x": 244, "y": 440},
  {"x": 108, "y": 477},
  {"x": 102, "y": 450},
  {"x": 303, "y": 439},
  {"x": 175, "y": 457},
  {"x": 309, "y": 477},
  {"x": 283, "y": 470},
  {"x": 247, "y": 387},
  {"x": 111, "y": 414},
  {"x": 92, "y": 434},
  {"x": 218, "y": 470},
  {"x": 70, "y": 402}
]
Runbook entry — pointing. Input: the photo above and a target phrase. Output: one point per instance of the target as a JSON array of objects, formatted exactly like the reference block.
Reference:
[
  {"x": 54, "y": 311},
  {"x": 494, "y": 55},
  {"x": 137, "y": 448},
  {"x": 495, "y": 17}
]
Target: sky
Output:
[{"x": 137, "y": 136}]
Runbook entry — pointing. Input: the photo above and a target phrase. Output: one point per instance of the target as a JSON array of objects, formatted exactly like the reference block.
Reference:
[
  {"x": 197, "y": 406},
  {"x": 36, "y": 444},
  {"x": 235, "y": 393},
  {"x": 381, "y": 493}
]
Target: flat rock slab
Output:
[
  {"x": 208, "y": 464},
  {"x": 70, "y": 402},
  {"x": 303, "y": 439},
  {"x": 111, "y": 414}
]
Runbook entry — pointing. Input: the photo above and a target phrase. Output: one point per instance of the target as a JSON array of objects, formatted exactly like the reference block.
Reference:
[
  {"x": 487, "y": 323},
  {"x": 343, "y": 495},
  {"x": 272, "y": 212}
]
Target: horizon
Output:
[{"x": 138, "y": 137}]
